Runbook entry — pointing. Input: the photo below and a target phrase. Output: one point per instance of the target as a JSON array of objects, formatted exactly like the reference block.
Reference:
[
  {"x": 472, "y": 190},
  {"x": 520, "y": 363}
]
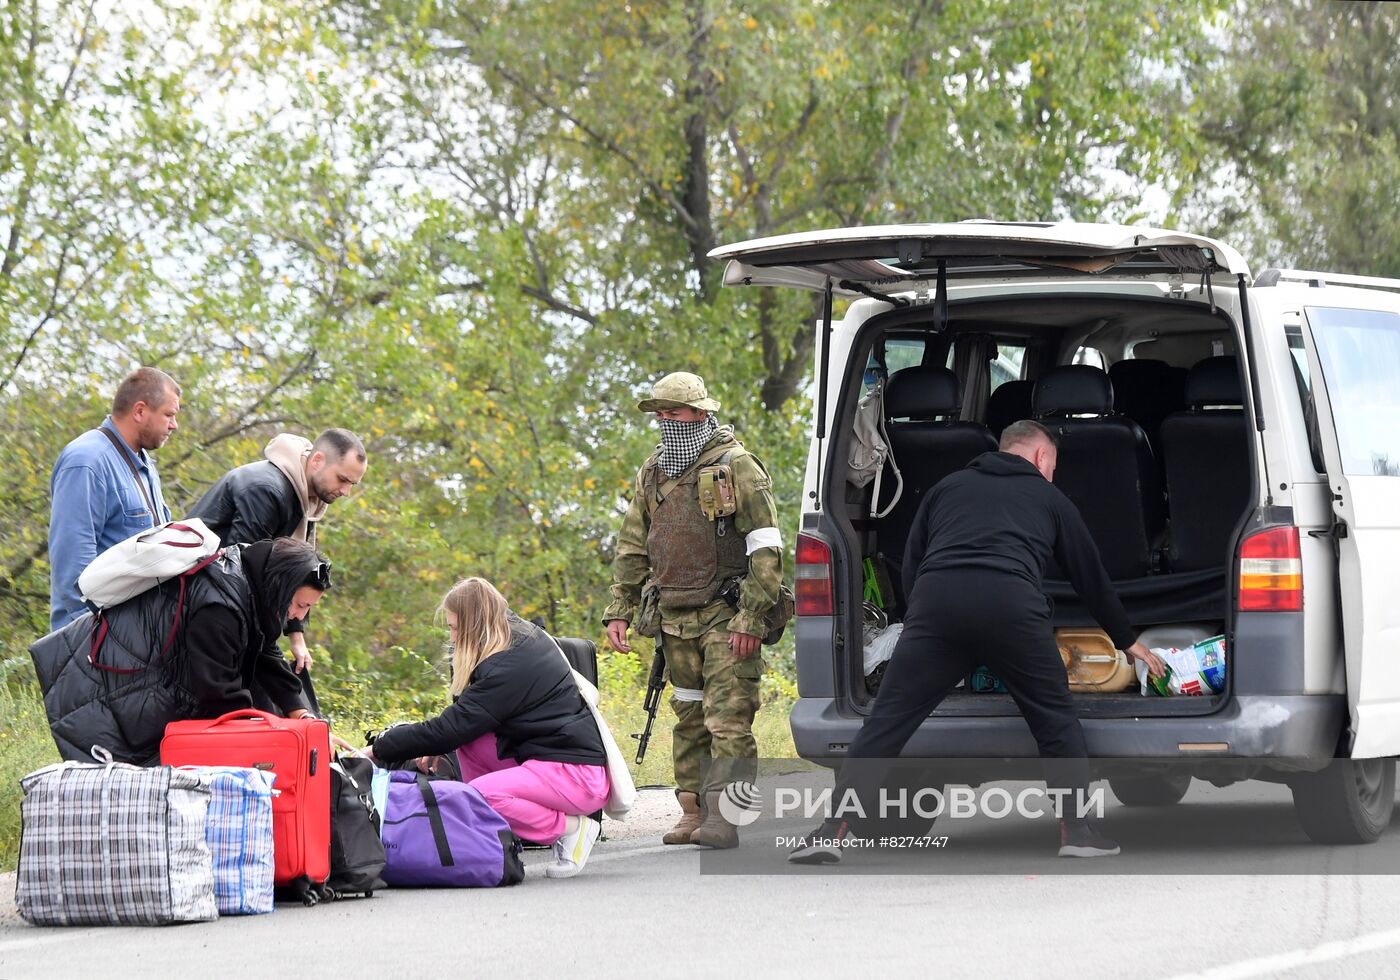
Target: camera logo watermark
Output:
[{"x": 741, "y": 803}]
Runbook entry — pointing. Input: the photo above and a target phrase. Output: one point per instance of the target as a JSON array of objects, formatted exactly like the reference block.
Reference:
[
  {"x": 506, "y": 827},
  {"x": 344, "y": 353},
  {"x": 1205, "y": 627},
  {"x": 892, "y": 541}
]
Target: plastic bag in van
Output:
[
  {"x": 881, "y": 647},
  {"x": 1196, "y": 670}
]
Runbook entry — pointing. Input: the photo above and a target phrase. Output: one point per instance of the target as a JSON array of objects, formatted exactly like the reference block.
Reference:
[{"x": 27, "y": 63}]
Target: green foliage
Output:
[
  {"x": 1303, "y": 107},
  {"x": 25, "y": 745}
]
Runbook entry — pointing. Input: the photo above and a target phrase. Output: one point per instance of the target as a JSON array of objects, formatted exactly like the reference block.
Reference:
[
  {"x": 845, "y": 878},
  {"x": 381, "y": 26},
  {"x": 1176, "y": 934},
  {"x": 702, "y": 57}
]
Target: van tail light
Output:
[
  {"x": 1271, "y": 571},
  {"x": 812, "y": 580}
]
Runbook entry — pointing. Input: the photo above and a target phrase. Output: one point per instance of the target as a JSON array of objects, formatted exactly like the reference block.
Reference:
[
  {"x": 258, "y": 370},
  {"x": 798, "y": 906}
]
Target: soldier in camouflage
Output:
[{"x": 701, "y": 531}]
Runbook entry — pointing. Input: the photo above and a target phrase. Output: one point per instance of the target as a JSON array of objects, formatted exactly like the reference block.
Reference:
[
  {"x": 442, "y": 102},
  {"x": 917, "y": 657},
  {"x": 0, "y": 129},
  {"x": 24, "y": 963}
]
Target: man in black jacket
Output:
[
  {"x": 973, "y": 567},
  {"x": 284, "y": 495}
]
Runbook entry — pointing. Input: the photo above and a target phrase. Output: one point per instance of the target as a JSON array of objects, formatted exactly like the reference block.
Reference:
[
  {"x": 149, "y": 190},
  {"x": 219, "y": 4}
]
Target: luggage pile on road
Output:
[{"x": 244, "y": 809}]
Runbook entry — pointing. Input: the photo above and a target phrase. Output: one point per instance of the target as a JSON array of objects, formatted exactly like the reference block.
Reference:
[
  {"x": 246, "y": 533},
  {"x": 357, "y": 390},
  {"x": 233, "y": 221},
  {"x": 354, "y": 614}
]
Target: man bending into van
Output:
[{"x": 972, "y": 571}]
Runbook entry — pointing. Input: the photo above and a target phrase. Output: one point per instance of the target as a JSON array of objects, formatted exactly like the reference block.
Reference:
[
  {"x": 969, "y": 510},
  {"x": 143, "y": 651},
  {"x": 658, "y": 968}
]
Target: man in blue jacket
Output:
[{"x": 104, "y": 486}]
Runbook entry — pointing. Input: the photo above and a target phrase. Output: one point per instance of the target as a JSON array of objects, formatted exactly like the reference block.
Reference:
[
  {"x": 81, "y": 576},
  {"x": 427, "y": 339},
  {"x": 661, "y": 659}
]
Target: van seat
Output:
[
  {"x": 1147, "y": 390},
  {"x": 1105, "y": 466},
  {"x": 1206, "y": 455},
  {"x": 1010, "y": 402},
  {"x": 927, "y": 441}
]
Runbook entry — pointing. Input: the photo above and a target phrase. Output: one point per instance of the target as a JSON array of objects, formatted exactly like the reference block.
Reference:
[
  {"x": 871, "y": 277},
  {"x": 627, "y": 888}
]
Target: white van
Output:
[{"x": 1233, "y": 442}]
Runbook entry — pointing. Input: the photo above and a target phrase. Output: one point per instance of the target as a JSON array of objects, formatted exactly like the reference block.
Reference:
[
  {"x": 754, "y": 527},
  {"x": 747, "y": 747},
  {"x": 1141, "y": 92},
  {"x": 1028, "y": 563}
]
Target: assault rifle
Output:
[{"x": 656, "y": 684}]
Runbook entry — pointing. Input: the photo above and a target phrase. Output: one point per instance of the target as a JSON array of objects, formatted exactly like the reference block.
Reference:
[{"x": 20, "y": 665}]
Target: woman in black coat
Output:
[
  {"x": 521, "y": 730},
  {"x": 193, "y": 647}
]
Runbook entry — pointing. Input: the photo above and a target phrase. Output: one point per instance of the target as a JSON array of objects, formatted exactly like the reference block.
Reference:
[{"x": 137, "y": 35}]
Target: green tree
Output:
[
  {"x": 99, "y": 165},
  {"x": 626, "y": 141},
  {"x": 1302, "y": 108}
]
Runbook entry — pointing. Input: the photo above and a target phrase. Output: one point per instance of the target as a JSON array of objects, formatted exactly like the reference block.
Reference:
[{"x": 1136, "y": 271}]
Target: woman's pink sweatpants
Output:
[{"x": 533, "y": 796}]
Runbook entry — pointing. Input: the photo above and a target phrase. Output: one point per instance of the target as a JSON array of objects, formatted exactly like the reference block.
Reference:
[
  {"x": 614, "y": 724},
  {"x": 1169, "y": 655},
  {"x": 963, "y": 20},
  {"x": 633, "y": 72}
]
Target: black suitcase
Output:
[{"x": 582, "y": 656}]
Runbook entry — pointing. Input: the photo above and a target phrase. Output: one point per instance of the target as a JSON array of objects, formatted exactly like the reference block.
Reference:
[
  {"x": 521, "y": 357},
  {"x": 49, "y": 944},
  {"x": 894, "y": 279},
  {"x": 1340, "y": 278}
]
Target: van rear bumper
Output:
[{"x": 1301, "y": 727}]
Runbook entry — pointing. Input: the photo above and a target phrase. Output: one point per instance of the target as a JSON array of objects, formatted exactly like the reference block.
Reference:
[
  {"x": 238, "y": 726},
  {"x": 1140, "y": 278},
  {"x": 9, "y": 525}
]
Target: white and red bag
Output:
[{"x": 145, "y": 560}]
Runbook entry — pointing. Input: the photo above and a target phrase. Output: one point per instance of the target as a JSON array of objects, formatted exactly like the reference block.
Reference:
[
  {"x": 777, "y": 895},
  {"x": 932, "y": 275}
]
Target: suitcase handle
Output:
[{"x": 244, "y": 714}]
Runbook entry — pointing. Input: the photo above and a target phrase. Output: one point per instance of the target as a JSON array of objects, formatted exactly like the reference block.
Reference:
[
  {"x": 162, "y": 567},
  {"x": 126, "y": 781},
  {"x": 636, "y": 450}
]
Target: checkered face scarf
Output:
[{"x": 681, "y": 442}]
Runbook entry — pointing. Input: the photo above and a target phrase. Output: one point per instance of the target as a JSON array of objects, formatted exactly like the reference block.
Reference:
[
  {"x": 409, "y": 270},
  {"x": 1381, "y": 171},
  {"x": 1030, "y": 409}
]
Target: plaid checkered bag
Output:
[
  {"x": 239, "y": 834},
  {"x": 114, "y": 845}
]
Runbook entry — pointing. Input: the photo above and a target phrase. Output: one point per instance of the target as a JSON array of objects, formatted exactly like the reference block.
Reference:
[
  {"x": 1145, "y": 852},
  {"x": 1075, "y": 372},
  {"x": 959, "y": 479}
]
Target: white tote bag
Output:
[
  {"x": 144, "y": 560},
  {"x": 870, "y": 451},
  {"x": 622, "y": 792}
]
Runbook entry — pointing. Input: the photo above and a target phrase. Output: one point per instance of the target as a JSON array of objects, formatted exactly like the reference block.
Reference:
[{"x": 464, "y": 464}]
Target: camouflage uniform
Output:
[{"x": 715, "y": 696}]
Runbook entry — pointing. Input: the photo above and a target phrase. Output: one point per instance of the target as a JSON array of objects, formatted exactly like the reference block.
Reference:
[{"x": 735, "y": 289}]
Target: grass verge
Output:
[{"x": 25, "y": 745}]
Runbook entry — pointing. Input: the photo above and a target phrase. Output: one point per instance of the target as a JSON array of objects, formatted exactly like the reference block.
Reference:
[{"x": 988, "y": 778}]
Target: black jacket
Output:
[
  {"x": 525, "y": 695},
  {"x": 999, "y": 513},
  {"x": 218, "y": 654},
  {"x": 254, "y": 502},
  {"x": 250, "y": 503}
]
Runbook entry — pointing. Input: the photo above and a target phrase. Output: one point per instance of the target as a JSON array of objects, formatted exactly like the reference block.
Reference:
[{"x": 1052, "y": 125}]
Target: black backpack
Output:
[{"x": 357, "y": 853}]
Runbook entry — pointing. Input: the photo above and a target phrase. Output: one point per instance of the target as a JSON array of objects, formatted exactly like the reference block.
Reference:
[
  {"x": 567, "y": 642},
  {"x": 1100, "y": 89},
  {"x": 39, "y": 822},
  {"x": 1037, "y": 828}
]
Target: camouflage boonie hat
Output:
[{"x": 679, "y": 390}]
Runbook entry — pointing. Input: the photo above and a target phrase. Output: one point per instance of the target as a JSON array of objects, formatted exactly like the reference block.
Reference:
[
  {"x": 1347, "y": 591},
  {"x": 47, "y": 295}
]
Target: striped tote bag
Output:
[
  {"x": 239, "y": 834},
  {"x": 114, "y": 845}
]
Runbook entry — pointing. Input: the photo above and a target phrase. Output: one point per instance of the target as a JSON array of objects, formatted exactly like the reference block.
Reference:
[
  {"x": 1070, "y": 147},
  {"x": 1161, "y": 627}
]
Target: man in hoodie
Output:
[
  {"x": 701, "y": 538},
  {"x": 972, "y": 570},
  {"x": 284, "y": 495}
]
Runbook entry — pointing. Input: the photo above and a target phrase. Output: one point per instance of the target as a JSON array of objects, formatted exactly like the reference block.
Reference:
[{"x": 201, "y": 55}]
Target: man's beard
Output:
[{"x": 154, "y": 439}]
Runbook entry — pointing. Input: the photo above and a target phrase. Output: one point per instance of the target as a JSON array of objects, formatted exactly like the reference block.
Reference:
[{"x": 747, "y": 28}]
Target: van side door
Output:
[{"x": 1355, "y": 352}]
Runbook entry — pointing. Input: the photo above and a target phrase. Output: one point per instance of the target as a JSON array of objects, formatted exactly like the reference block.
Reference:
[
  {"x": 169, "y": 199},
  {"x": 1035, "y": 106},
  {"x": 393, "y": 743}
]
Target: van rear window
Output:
[{"x": 1360, "y": 355}]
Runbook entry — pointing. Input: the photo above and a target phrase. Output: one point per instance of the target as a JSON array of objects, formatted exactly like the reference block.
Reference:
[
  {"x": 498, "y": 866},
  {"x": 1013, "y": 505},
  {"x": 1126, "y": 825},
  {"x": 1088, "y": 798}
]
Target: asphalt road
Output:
[{"x": 641, "y": 909}]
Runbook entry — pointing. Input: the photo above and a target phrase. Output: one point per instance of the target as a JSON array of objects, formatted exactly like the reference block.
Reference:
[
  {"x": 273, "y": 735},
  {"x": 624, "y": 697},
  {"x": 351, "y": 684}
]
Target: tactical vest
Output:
[{"x": 692, "y": 557}]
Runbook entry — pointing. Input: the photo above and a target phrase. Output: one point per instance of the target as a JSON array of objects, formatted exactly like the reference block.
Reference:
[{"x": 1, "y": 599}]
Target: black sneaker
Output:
[
  {"x": 821, "y": 846},
  {"x": 1079, "y": 839}
]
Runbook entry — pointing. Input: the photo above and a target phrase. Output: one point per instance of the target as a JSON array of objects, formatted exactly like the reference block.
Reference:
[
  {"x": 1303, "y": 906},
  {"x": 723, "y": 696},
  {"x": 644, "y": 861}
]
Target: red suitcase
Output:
[{"x": 297, "y": 751}]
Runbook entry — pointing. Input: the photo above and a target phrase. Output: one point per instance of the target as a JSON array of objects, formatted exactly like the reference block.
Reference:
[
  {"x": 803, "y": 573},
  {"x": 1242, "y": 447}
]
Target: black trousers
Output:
[{"x": 956, "y": 621}]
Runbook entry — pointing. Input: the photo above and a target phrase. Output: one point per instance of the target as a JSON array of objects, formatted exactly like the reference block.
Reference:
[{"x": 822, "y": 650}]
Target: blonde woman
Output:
[{"x": 522, "y": 732}]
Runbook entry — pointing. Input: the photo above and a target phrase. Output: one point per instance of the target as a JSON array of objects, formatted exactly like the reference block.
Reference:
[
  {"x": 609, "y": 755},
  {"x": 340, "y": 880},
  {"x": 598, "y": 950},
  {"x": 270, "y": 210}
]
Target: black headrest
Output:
[
  {"x": 1214, "y": 381},
  {"x": 1010, "y": 402},
  {"x": 922, "y": 392},
  {"x": 1138, "y": 371},
  {"x": 1073, "y": 389}
]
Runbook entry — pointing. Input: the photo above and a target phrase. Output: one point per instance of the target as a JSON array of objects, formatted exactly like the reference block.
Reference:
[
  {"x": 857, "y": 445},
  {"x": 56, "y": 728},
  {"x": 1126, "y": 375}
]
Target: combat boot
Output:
[
  {"x": 689, "y": 821},
  {"x": 715, "y": 831}
]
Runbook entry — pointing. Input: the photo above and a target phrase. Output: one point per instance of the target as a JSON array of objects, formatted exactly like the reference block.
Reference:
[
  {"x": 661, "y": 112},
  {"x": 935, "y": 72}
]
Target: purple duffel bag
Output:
[{"x": 442, "y": 832}]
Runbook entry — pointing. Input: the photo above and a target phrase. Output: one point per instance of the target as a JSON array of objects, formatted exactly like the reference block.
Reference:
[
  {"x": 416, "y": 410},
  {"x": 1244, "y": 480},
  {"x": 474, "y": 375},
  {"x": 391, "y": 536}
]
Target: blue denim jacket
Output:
[{"x": 96, "y": 503}]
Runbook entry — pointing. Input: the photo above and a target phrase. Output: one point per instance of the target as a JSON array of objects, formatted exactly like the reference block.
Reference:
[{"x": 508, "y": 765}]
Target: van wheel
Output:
[
  {"x": 1153, "y": 789},
  {"x": 1349, "y": 802}
]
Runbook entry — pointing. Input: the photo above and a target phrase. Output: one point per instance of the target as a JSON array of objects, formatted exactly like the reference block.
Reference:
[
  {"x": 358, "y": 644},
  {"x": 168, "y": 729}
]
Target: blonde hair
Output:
[{"x": 482, "y": 627}]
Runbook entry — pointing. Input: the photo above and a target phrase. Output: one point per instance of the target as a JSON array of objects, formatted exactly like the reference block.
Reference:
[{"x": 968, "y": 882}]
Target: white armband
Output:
[{"x": 762, "y": 537}]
